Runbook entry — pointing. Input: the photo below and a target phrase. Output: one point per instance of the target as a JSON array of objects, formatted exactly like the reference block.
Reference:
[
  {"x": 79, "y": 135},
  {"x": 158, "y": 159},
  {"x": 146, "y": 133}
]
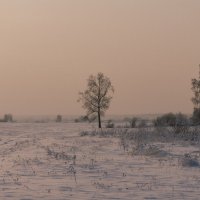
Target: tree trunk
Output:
[{"x": 99, "y": 117}]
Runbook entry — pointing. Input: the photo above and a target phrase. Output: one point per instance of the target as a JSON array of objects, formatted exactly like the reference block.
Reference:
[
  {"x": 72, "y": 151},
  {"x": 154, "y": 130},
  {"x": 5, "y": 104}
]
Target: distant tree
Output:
[
  {"x": 59, "y": 118},
  {"x": 196, "y": 100},
  {"x": 168, "y": 119},
  {"x": 96, "y": 98},
  {"x": 178, "y": 122},
  {"x": 8, "y": 118},
  {"x": 133, "y": 121}
]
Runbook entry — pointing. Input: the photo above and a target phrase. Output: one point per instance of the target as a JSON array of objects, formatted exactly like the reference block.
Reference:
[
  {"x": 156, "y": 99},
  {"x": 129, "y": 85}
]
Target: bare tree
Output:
[
  {"x": 59, "y": 118},
  {"x": 8, "y": 118},
  {"x": 196, "y": 99},
  {"x": 196, "y": 90},
  {"x": 96, "y": 98}
]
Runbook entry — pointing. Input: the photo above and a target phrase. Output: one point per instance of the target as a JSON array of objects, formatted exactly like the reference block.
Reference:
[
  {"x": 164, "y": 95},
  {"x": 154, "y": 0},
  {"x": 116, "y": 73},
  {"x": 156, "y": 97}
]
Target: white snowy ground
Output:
[{"x": 52, "y": 162}]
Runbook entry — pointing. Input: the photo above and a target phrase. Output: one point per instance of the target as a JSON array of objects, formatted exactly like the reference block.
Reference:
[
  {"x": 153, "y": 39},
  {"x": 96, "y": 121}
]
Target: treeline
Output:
[
  {"x": 7, "y": 118},
  {"x": 165, "y": 120}
]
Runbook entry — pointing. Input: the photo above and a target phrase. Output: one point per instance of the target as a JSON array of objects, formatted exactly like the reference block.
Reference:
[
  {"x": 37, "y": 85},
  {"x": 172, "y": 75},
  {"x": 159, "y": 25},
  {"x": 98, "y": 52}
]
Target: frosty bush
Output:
[
  {"x": 132, "y": 122},
  {"x": 179, "y": 122},
  {"x": 189, "y": 161},
  {"x": 59, "y": 118},
  {"x": 110, "y": 124},
  {"x": 196, "y": 117},
  {"x": 168, "y": 119}
]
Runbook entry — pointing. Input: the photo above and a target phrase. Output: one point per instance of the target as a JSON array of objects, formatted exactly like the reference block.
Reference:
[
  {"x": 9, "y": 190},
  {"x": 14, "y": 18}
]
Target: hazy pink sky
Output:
[{"x": 149, "y": 48}]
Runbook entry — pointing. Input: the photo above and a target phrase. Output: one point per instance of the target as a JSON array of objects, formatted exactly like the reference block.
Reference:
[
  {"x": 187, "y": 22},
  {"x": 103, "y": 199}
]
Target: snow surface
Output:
[{"x": 51, "y": 161}]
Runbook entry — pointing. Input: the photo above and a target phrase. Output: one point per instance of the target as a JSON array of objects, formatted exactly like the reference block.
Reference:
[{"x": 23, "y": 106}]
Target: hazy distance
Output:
[{"x": 48, "y": 48}]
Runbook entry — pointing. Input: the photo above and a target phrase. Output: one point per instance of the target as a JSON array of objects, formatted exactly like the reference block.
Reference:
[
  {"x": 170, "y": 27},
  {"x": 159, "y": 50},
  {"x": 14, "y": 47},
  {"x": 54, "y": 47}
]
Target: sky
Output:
[{"x": 150, "y": 49}]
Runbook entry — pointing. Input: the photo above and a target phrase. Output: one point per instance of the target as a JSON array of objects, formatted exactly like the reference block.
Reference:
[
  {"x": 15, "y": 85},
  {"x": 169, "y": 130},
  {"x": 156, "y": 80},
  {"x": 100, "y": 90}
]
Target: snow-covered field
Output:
[{"x": 52, "y": 161}]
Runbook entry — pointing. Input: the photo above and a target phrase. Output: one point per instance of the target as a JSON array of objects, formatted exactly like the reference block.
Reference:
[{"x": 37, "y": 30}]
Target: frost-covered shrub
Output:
[
  {"x": 149, "y": 150},
  {"x": 179, "y": 122},
  {"x": 82, "y": 119},
  {"x": 142, "y": 123},
  {"x": 196, "y": 117},
  {"x": 182, "y": 123},
  {"x": 84, "y": 133},
  {"x": 110, "y": 124},
  {"x": 189, "y": 161},
  {"x": 107, "y": 132},
  {"x": 168, "y": 119},
  {"x": 132, "y": 122}
]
